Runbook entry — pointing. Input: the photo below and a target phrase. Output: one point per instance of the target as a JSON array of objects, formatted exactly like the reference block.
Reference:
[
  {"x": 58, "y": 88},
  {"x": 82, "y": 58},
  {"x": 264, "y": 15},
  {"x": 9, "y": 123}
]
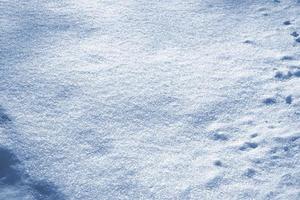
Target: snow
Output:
[{"x": 149, "y": 99}]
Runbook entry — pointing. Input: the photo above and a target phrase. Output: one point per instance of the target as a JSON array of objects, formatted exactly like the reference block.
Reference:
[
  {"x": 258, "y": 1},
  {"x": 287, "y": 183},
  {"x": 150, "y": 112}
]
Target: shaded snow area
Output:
[{"x": 149, "y": 99}]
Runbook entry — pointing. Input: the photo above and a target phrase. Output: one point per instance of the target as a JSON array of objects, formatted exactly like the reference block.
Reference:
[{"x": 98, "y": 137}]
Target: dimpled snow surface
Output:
[{"x": 149, "y": 99}]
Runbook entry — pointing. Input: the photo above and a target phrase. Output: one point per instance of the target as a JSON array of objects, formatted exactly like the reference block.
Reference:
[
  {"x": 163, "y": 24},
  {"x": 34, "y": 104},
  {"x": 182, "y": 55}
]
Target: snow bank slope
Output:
[{"x": 149, "y": 99}]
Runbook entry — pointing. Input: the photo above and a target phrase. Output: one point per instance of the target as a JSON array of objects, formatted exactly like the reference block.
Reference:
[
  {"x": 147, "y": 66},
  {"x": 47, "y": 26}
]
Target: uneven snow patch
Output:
[{"x": 149, "y": 99}]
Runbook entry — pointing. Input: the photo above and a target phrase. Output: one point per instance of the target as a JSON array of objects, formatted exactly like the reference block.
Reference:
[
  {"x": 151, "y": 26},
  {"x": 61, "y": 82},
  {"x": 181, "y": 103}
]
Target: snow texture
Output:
[{"x": 137, "y": 99}]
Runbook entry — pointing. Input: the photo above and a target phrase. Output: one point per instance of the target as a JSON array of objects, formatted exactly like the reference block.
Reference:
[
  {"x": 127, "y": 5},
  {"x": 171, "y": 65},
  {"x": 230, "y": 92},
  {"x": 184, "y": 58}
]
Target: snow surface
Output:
[{"x": 137, "y": 99}]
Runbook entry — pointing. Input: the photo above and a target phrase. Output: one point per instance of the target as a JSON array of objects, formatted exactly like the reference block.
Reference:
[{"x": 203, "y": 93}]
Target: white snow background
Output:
[{"x": 137, "y": 99}]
